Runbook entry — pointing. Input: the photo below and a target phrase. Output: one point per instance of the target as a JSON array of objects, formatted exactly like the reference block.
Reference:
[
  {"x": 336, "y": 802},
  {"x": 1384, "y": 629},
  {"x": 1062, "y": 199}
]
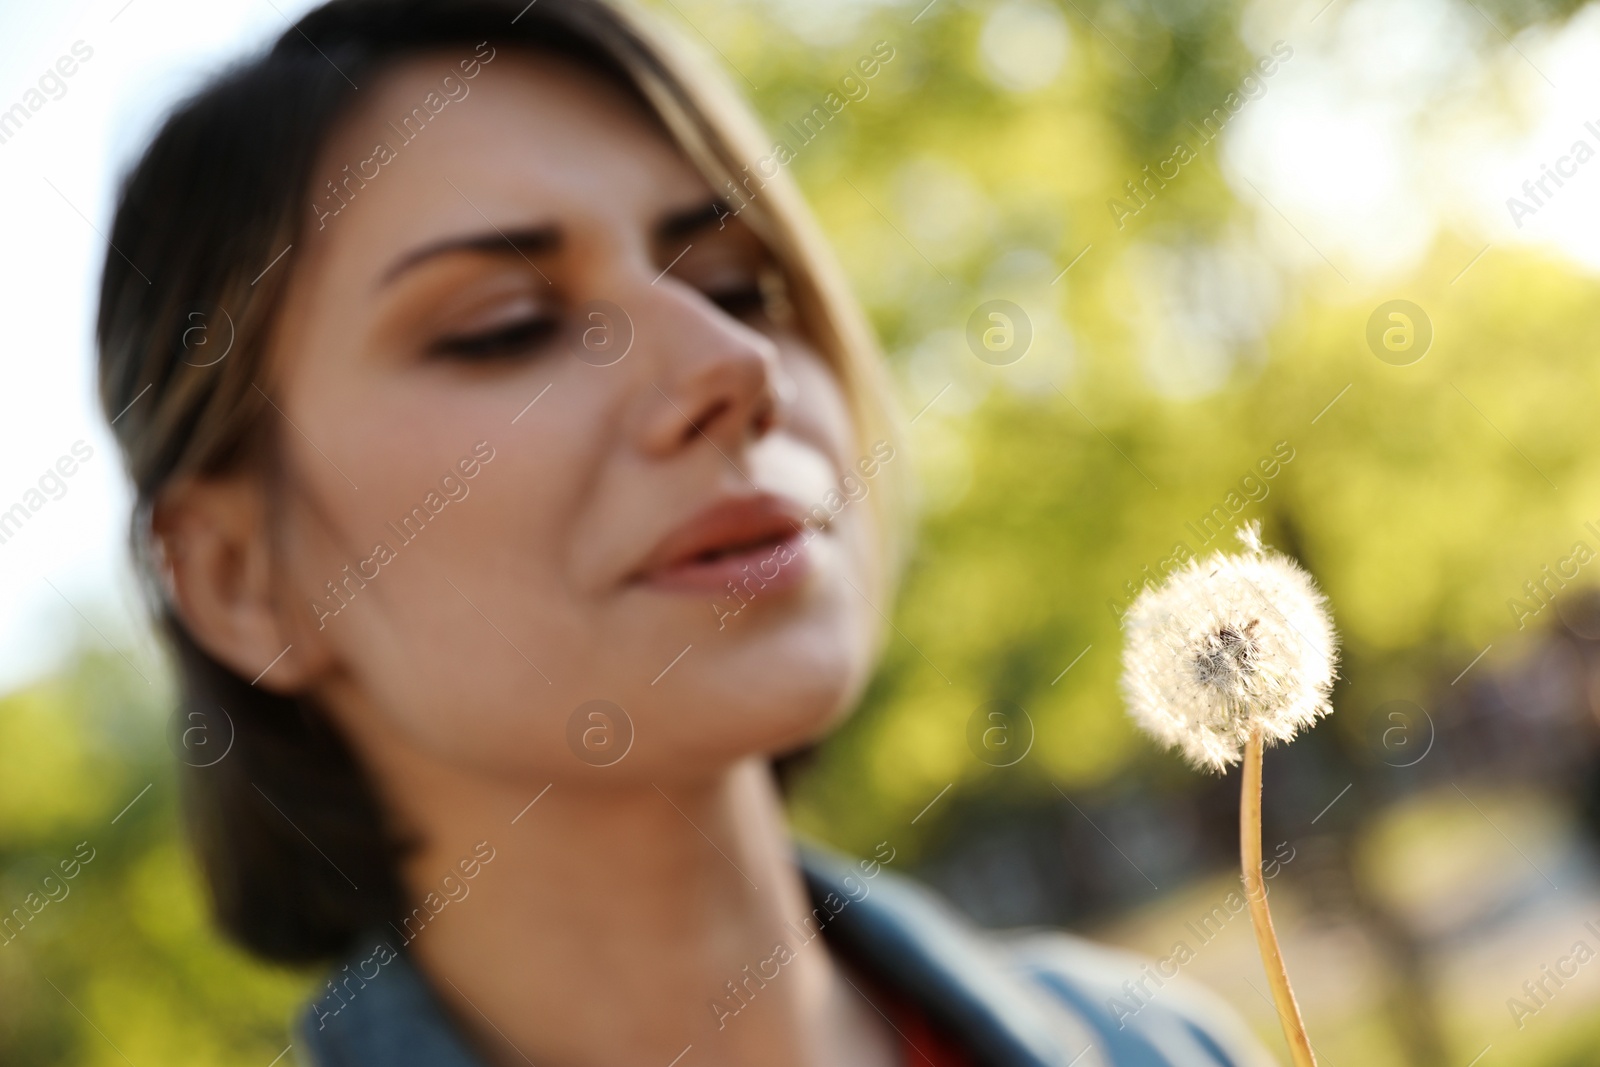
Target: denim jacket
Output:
[{"x": 1027, "y": 999}]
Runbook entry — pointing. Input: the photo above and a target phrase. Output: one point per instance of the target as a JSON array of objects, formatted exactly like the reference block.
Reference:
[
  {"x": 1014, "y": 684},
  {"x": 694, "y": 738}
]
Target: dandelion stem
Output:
[{"x": 1294, "y": 1028}]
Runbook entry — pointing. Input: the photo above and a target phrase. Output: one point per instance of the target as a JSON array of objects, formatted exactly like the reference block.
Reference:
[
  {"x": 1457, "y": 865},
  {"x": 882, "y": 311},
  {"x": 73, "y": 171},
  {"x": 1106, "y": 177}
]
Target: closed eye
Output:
[
  {"x": 740, "y": 301},
  {"x": 503, "y": 342}
]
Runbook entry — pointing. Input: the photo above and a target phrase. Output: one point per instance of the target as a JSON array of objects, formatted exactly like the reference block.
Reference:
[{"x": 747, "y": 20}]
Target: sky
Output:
[{"x": 1393, "y": 120}]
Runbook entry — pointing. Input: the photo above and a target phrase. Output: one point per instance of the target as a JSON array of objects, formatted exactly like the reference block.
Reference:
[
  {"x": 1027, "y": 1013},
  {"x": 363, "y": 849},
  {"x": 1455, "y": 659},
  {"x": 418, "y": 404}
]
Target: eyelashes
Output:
[
  {"x": 740, "y": 301},
  {"x": 532, "y": 333},
  {"x": 515, "y": 338}
]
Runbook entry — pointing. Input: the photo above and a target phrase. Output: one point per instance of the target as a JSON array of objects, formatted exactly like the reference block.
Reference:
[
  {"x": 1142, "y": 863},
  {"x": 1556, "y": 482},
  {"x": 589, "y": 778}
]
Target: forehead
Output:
[{"x": 533, "y": 138}]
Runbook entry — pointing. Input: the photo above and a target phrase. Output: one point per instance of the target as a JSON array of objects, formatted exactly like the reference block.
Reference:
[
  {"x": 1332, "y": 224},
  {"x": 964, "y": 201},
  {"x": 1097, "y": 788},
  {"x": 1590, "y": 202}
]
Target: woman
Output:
[{"x": 488, "y": 412}]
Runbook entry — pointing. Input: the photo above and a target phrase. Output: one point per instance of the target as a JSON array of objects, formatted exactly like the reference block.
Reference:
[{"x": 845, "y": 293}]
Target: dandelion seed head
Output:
[{"x": 1225, "y": 644}]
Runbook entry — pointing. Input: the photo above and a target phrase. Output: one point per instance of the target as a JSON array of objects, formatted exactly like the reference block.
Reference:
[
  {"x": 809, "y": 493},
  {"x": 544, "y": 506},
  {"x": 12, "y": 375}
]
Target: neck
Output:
[{"x": 624, "y": 924}]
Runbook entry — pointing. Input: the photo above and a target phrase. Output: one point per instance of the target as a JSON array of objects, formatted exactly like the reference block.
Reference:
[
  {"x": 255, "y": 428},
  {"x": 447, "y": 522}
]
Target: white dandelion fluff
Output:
[{"x": 1226, "y": 644}]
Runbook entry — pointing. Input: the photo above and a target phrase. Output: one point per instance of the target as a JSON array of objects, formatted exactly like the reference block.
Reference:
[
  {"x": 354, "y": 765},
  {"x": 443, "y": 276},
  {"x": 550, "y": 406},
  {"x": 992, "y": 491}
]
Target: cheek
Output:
[
  {"x": 820, "y": 414},
  {"x": 471, "y": 606}
]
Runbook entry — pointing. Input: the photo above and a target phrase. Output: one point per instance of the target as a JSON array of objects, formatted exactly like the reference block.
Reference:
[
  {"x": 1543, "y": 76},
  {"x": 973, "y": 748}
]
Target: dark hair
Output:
[{"x": 299, "y": 855}]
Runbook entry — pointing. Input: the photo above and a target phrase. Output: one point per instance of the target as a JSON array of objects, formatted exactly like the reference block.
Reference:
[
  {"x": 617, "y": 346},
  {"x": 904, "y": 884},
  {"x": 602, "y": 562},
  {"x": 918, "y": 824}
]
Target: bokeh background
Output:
[{"x": 1167, "y": 348}]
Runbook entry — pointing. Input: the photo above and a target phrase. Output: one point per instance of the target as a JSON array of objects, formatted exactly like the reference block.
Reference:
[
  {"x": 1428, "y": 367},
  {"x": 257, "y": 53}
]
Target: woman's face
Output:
[{"x": 533, "y": 392}]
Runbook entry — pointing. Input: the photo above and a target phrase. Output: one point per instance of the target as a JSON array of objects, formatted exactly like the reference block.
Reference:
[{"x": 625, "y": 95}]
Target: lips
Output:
[{"x": 756, "y": 539}]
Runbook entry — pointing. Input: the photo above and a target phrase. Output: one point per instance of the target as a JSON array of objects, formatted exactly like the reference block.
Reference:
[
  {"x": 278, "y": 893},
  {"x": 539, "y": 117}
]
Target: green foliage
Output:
[
  {"x": 1054, "y": 486},
  {"x": 1069, "y": 478},
  {"x": 122, "y": 944}
]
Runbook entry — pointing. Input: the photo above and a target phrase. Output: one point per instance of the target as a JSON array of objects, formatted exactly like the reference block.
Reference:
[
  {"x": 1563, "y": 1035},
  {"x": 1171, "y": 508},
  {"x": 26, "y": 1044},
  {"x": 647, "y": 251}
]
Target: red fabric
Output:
[{"x": 923, "y": 1046}]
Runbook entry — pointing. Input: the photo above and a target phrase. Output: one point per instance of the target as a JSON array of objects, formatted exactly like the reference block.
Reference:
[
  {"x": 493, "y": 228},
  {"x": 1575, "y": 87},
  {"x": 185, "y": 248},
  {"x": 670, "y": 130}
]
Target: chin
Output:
[
  {"x": 765, "y": 700},
  {"x": 804, "y": 694}
]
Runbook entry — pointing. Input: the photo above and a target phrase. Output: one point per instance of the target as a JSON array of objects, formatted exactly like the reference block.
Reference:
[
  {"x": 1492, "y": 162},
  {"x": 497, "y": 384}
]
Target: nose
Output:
[{"x": 714, "y": 377}]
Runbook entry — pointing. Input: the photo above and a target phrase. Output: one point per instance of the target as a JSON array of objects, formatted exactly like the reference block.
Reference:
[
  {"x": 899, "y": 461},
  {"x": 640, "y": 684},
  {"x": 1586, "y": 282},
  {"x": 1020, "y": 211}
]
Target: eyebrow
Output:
[
  {"x": 523, "y": 242},
  {"x": 547, "y": 238}
]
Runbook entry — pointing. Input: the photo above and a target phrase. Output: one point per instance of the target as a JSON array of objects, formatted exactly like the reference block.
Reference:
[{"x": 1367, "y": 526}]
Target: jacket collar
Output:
[
  {"x": 377, "y": 1008},
  {"x": 914, "y": 945}
]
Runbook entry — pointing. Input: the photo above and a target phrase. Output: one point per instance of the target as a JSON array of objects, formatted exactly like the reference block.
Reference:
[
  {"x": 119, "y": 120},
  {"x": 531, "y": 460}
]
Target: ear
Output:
[{"x": 211, "y": 539}]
